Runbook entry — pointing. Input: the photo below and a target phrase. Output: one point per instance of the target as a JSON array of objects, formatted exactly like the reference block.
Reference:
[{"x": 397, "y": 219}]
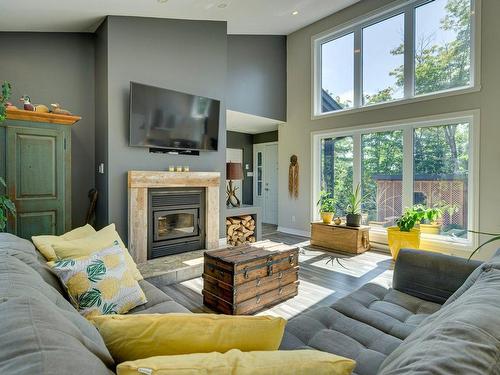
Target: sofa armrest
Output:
[{"x": 430, "y": 276}]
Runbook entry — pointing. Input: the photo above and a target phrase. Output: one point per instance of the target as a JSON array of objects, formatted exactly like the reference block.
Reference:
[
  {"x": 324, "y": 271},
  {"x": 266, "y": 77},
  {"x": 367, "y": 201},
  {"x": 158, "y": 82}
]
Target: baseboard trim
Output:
[{"x": 296, "y": 232}]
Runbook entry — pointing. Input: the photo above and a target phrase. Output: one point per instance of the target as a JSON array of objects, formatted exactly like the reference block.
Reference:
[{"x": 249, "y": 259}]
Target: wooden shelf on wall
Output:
[{"x": 51, "y": 118}]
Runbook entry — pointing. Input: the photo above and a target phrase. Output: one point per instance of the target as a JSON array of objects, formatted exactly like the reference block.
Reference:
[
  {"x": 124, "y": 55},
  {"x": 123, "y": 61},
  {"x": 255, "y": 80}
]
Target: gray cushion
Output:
[
  {"x": 366, "y": 326},
  {"x": 25, "y": 251},
  {"x": 330, "y": 331},
  {"x": 9, "y": 241},
  {"x": 392, "y": 312},
  {"x": 19, "y": 282},
  {"x": 158, "y": 302},
  {"x": 461, "y": 338},
  {"x": 38, "y": 338},
  {"x": 19, "y": 279}
]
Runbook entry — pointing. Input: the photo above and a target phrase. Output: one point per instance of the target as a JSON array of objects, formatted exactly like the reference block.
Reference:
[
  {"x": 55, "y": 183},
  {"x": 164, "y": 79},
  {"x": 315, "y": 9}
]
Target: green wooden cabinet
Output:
[{"x": 35, "y": 159}]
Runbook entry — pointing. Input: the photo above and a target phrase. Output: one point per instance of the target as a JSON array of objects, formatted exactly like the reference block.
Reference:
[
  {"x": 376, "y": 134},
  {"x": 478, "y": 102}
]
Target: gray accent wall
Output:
[
  {"x": 256, "y": 75},
  {"x": 101, "y": 123},
  {"x": 188, "y": 56},
  {"x": 58, "y": 68},
  {"x": 244, "y": 142},
  {"x": 266, "y": 137}
]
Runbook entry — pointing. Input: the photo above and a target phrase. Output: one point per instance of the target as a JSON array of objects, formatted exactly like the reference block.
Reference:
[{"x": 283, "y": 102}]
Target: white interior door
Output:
[
  {"x": 235, "y": 155},
  {"x": 266, "y": 181}
]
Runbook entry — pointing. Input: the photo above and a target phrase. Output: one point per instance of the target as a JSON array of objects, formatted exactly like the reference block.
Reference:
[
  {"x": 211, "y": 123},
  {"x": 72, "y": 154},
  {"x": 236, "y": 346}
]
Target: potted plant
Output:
[
  {"x": 4, "y": 97},
  {"x": 353, "y": 212},
  {"x": 326, "y": 206},
  {"x": 429, "y": 223},
  {"x": 7, "y": 208},
  {"x": 405, "y": 234}
]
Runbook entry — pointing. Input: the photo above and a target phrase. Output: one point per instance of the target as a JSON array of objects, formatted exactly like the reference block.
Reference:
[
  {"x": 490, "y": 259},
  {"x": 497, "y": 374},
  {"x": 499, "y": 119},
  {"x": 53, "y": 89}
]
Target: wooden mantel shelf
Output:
[{"x": 51, "y": 118}]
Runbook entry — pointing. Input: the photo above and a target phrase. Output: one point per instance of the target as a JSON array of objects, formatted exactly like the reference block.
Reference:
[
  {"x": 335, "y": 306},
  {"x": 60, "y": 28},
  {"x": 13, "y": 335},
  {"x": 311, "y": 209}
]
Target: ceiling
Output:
[
  {"x": 243, "y": 16},
  {"x": 244, "y": 123}
]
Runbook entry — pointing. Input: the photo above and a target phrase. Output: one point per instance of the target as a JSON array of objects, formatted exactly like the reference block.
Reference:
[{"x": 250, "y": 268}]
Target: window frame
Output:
[
  {"x": 432, "y": 242},
  {"x": 356, "y": 26}
]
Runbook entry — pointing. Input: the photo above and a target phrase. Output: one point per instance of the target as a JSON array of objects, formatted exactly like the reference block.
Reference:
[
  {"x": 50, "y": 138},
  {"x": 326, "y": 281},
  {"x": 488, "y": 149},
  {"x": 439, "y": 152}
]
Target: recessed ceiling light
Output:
[
  {"x": 162, "y": 1},
  {"x": 295, "y": 12},
  {"x": 222, "y": 5}
]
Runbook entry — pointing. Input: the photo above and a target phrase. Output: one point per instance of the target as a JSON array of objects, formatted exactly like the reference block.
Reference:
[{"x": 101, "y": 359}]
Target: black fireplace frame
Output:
[{"x": 183, "y": 200}]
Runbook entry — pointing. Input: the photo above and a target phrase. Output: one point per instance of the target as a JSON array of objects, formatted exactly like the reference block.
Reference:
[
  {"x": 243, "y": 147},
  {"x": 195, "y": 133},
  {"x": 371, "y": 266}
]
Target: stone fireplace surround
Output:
[{"x": 138, "y": 184}]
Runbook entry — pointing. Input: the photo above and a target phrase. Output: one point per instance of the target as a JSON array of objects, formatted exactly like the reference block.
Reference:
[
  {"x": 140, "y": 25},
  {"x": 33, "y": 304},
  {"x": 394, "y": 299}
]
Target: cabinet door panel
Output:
[
  {"x": 36, "y": 180},
  {"x": 33, "y": 223},
  {"x": 36, "y": 166}
]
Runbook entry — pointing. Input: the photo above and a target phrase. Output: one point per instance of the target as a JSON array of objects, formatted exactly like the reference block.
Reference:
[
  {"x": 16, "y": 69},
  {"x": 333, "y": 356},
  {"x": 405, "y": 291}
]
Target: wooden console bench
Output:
[{"x": 353, "y": 240}]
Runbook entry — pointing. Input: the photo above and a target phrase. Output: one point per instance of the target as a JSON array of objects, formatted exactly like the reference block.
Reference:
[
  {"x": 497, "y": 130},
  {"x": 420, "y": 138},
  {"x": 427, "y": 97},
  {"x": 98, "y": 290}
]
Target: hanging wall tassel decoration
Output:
[{"x": 293, "y": 177}]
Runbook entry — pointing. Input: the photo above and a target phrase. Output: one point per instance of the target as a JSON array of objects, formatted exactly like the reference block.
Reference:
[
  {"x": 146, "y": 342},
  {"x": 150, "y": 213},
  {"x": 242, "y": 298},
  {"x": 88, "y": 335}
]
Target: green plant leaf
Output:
[
  {"x": 63, "y": 263},
  {"x": 109, "y": 308},
  {"x": 96, "y": 270},
  {"x": 90, "y": 298}
]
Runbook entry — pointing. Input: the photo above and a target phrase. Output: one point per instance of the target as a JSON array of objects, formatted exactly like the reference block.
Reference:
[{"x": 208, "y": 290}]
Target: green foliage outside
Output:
[{"x": 440, "y": 152}]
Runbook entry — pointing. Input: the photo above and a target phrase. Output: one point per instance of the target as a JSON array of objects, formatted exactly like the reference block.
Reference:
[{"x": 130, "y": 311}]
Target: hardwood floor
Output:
[{"x": 324, "y": 277}]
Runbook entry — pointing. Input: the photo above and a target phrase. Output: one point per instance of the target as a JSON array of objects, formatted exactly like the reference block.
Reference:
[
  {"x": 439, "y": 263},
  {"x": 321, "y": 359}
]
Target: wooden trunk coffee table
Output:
[{"x": 245, "y": 279}]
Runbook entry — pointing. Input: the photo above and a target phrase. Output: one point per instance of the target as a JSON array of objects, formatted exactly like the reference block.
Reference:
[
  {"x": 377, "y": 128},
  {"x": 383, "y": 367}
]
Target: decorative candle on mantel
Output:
[
  {"x": 178, "y": 169},
  {"x": 171, "y": 168},
  {"x": 186, "y": 168}
]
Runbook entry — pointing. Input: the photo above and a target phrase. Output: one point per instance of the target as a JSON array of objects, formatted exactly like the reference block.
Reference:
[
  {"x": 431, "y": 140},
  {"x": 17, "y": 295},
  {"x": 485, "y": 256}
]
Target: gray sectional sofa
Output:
[{"x": 442, "y": 317}]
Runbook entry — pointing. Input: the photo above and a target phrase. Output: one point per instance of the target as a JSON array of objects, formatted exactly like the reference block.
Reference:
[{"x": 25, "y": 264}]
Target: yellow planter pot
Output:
[
  {"x": 430, "y": 228},
  {"x": 399, "y": 240},
  {"x": 327, "y": 217}
]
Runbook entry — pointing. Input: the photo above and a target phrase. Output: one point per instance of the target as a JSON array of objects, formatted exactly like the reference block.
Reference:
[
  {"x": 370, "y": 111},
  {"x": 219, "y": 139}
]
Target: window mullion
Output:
[
  {"x": 407, "y": 182},
  {"x": 358, "y": 68},
  {"x": 409, "y": 52}
]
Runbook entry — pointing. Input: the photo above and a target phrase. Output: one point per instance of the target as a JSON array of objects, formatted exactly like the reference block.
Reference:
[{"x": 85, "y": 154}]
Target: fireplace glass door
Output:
[{"x": 175, "y": 224}]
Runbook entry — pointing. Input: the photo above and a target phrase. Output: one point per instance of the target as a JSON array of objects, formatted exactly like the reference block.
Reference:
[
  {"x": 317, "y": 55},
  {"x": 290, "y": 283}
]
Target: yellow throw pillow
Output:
[
  {"x": 131, "y": 337},
  {"x": 97, "y": 241},
  {"x": 234, "y": 362},
  {"x": 44, "y": 243},
  {"x": 100, "y": 283}
]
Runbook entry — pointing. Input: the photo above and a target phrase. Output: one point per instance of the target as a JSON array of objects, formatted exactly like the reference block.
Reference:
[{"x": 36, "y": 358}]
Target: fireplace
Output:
[{"x": 176, "y": 221}]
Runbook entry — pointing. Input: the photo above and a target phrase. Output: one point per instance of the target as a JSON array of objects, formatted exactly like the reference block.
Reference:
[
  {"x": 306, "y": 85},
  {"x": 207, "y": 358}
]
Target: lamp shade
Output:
[{"x": 234, "y": 171}]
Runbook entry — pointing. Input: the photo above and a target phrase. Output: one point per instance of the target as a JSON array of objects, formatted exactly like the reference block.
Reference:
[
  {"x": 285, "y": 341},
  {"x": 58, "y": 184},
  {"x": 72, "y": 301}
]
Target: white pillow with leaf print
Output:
[{"x": 101, "y": 283}]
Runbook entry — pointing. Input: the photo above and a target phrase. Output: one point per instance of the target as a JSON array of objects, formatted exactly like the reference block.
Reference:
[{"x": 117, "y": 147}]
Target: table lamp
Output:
[{"x": 234, "y": 171}]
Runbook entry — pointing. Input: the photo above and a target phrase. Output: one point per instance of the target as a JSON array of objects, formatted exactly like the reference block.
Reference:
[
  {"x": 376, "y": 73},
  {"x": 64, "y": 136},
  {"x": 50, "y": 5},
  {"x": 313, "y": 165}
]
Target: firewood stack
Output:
[{"x": 240, "y": 230}]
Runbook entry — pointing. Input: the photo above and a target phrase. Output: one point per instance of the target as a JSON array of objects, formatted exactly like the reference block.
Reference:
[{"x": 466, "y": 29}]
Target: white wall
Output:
[{"x": 295, "y": 135}]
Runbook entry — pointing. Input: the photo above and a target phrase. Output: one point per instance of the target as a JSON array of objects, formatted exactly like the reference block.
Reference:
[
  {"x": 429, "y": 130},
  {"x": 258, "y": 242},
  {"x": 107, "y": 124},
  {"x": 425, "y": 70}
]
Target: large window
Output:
[
  {"x": 337, "y": 169},
  {"x": 337, "y": 84},
  {"x": 441, "y": 173},
  {"x": 425, "y": 162},
  {"x": 418, "y": 48},
  {"x": 383, "y": 61},
  {"x": 381, "y": 177}
]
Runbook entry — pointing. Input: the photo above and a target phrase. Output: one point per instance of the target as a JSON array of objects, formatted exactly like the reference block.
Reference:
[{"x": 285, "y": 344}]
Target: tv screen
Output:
[{"x": 168, "y": 119}]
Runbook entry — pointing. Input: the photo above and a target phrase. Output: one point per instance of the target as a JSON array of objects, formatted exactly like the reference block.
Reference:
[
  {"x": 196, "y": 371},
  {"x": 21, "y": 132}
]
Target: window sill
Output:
[{"x": 416, "y": 99}]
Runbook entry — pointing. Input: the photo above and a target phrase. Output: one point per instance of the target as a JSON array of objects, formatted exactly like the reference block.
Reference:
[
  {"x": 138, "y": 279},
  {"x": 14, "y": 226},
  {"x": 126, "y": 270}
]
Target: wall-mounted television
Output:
[{"x": 172, "y": 120}]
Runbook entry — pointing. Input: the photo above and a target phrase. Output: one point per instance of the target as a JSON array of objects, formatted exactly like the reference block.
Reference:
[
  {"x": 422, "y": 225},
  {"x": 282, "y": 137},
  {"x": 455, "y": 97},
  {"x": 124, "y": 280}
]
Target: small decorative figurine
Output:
[
  {"x": 27, "y": 103},
  {"x": 337, "y": 221},
  {"x": 34, "y": 108},
  {"x": 56, "y": 108}
]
